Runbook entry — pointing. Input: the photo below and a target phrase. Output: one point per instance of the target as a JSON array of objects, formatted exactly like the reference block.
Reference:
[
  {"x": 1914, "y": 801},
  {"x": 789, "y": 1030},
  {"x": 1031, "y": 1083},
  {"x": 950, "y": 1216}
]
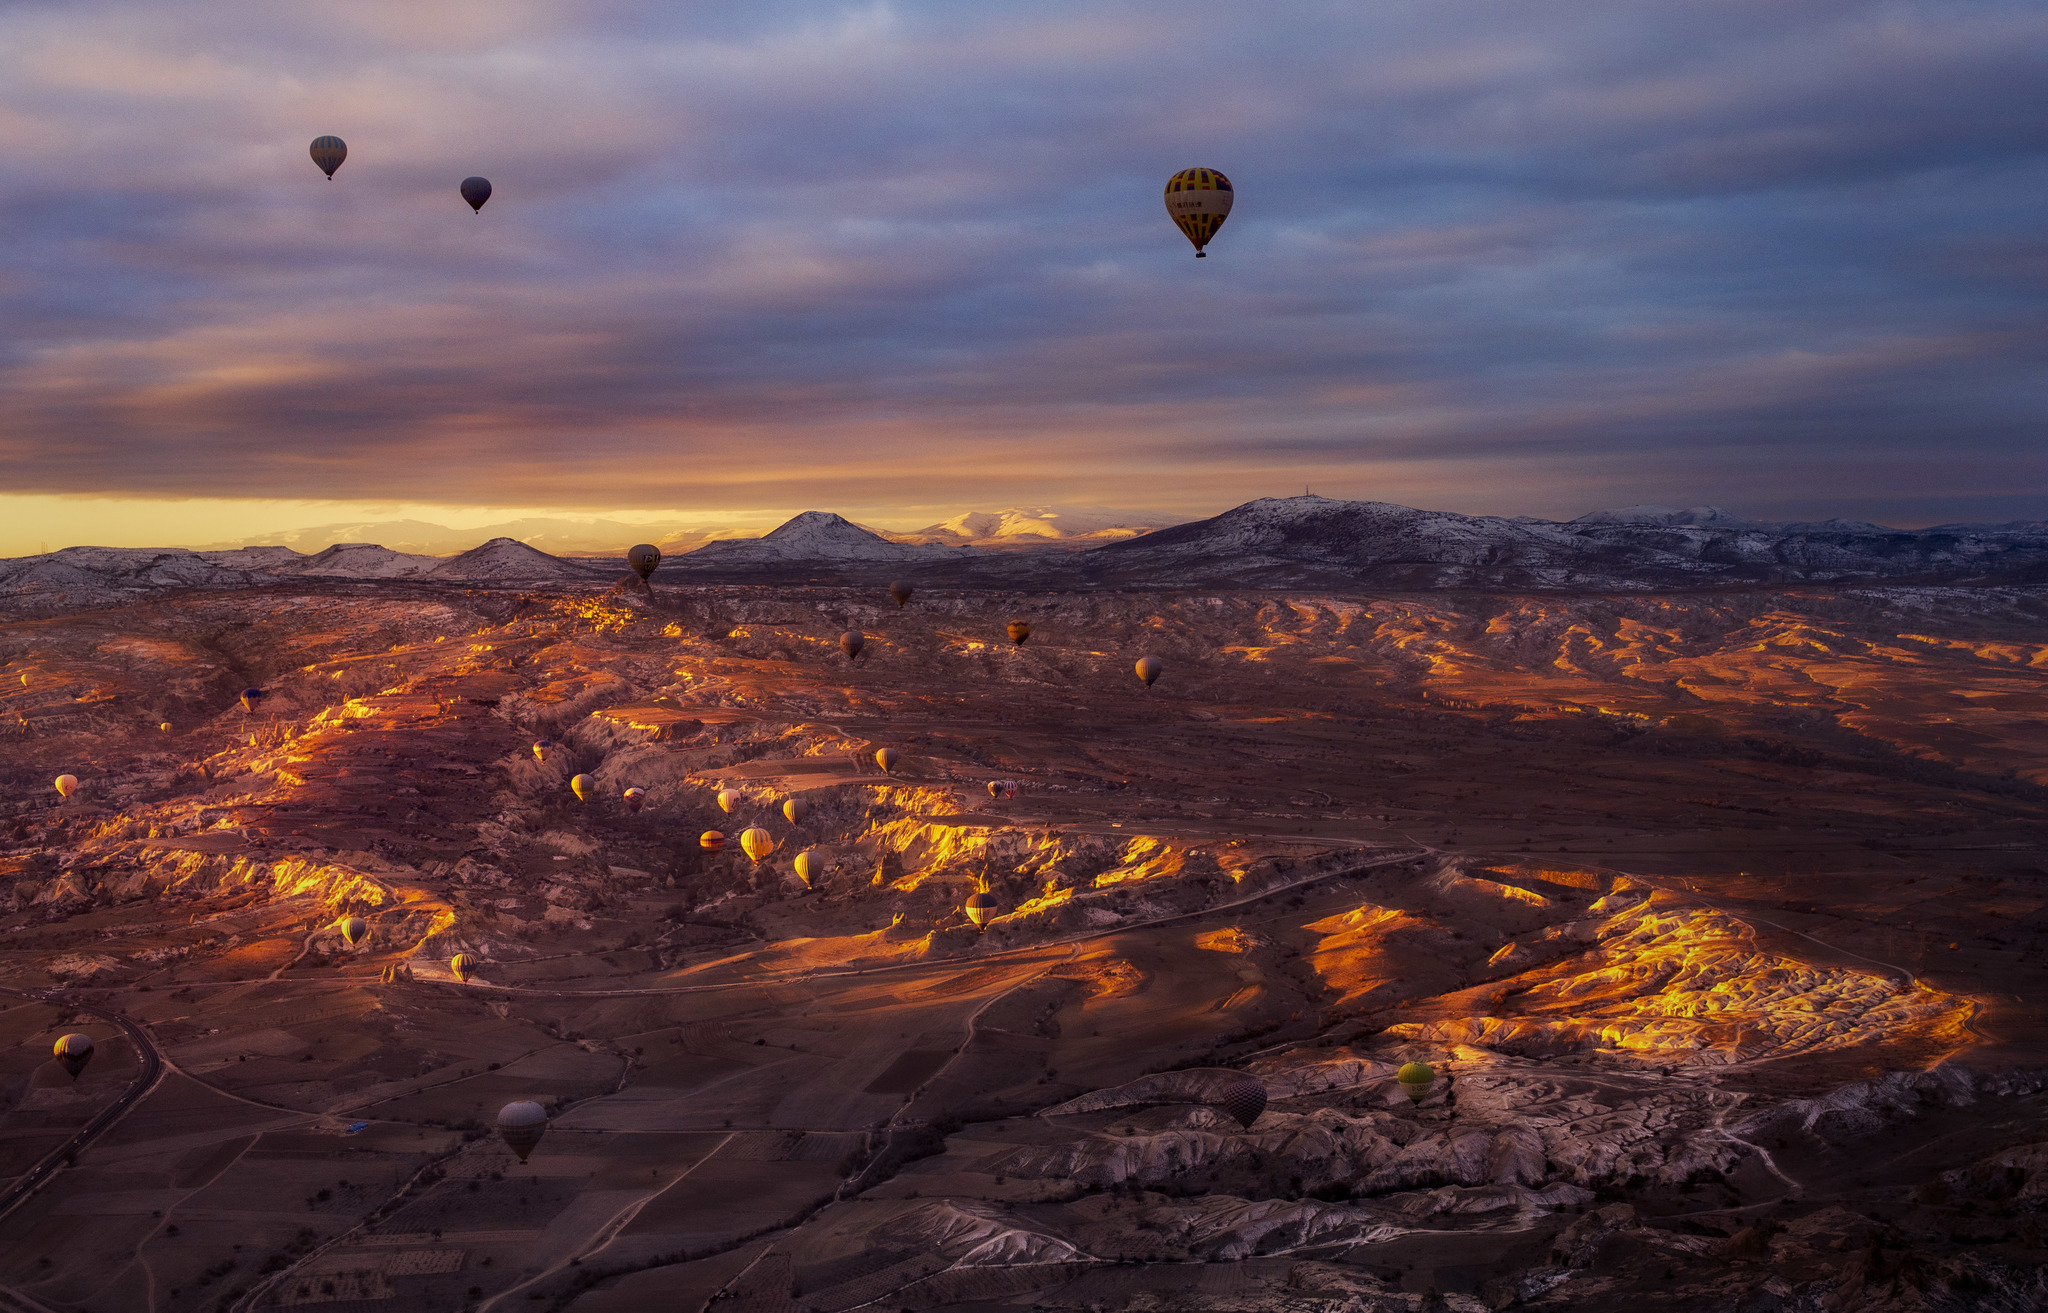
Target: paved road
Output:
[{"x": 152, "y": 1071}]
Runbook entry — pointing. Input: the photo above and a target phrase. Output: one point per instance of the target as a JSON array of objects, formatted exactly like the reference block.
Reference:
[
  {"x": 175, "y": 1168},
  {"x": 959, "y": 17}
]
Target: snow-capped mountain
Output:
[
  {"x": 359, "y": 561},
  {"x": 1035, "y": 526},
  {"x": 818, "y": 536},
  {"x": 509, "y": 560}
]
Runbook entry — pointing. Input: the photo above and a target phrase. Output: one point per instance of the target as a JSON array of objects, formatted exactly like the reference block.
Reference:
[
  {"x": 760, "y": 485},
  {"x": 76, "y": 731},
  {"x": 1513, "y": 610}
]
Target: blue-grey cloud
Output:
[{"x": 1522, "y": 258}]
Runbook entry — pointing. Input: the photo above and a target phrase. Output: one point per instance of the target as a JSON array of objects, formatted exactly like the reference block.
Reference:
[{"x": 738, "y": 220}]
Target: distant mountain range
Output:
[{"x": 1293, "y": 542}]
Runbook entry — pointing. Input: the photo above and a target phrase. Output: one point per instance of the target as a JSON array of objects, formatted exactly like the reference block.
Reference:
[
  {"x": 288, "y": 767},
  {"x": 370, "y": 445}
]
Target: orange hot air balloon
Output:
[
  {"x": 809, "y": 866},
  {"x": 712, "y": 841},
  {"x": 66, "y": 785},
  {"x": 1019, "y": 632},
  {"x": 1150, "y": 668}
]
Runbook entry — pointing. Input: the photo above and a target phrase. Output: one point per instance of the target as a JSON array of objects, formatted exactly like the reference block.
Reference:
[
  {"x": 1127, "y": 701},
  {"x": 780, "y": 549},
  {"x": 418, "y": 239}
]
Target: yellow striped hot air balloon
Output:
[
  {"x": 460, "y": 966},
  {"x": 1199, "y": 201},
  {"x": 756, "y": 842}
]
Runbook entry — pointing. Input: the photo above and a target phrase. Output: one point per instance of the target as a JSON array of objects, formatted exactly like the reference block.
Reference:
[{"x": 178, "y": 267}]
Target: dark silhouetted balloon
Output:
[
  {"x": 73, "y": 1052},
  {"x": 643, "y": 559},
  {"x": 354, "y": 929},
  {"x": 1415, "y": 1078},
  {"x": 251, "y": 697},
  {"x": 809, "y": 866},
  {"x": 712, "y": 840},
  {"x": 851, "y": 642},
  {"x": 328, "y": 153},
  {"x": 1150, "y": 669},
  {"x": 476, "y": 191},
  {"x": 900, "y": 593},
  {"x": 1245, "y": 1100},
  {"x": 1199, "y": 201},
  {"x": 795, "y": 809},
  {"x": 1019, "y": 631},
  {"x": 520, "y": 1126},
  {"x": 980, "y": 907},
  {"x": 886, "y": 758}
]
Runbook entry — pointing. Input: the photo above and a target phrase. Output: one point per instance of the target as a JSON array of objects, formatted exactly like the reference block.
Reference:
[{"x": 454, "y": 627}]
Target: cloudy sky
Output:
[{"x": 906, "y": 259}]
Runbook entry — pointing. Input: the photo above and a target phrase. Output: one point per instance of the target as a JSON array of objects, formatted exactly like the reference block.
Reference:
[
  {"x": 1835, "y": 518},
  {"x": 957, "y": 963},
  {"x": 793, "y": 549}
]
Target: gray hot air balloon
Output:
[
  {"x": 328, "y": 153},
  {"x": 851, "y": 642},
  {"x": 1244, "y": 1099},
  {"x": 643, "y": 559},
  {"x": 476, "y": 191},
  {"x": 1150, "y": 668},
  {"x": 521, "y": 1124},
  {"x": 73, "y": 1052}
]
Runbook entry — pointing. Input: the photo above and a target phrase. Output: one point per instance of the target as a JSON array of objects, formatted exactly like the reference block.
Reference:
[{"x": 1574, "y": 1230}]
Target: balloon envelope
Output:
[
  {"x": 165, "y": 726},
  {"x": 250, "y": 697},
  {"x": 728, "y": 799},
  {"x": 1415, "y": 1078},
  {"x": 809, "y": 866},
  {"x": 1150, "y": 669},
  {"x": 73, "y": 1052},
  {"x": 795, "y": 809},
  {"x": 886, "y": 758},
  {"x": 756, "y": 842},
  {"x": 328, "y": 153},
  {"x": 1245, "y": 1100},
  {"x": 980, "y": 907},
  {"x": 1019, "y": 631},
  {"x": 900, "y": 593},
  {"x": 851, "y": 642},
  {"x": 66, "y": 785},
  {"x": 634, "y": 798},
  {"x": 643, "y": 559},
  {"x": 520, "y": 1126},
  {"x": 542, "y": 749},
  {"x": 461, "y": 965},
  {"x": 712, "y": 840},
  {"x": 353, "y": 929},
  {"x": 583, "y": 787},
  {"x": 1199, "y": 201},
  {"x": 476, "y": 191}
]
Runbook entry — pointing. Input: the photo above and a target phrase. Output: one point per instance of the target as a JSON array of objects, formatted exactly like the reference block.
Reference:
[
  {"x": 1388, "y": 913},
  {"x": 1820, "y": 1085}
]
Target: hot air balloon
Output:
[
  {"x": 251, "y": 697},
  {"x": 712, "y": 840},
  {"x": 756, "y": 843},
  {"x": 795, "y": 809},
  {"x": 851, "y": 642},
  {"x": 634, "y": 799},
  {"x": 542, "y": 749},
  {"x": 1244, "y": 1099},
  {"x": 583, "y": 787},
  {"x": 73, "y": 1051},
  {"x": 476, "y": 191},
  {"x": 1150, "y": 668},
  {"x": 1019, "y": 631},
  {"x": 460, "y": 966},
  {"x": 809, "y": 866},
  {"x": 643, "y": 558},
  {"x": 1002, "y": 788},
  {"x": 728, "y": 799},
  {"x": 1199, "y": 201},
  {"x": 520, "y": 1126},
  {"x": 354, "y": 929},
  {"x": 66, "y": 785},
  {"x": 328, "y": 153},
  {"x": 1415, "y": 1079},
  {"x": 981, "y": 905},
  {"x": 886, "y": 759},
  {"x": 900, "y": 593},
  {"x": 165, "y": 726}
]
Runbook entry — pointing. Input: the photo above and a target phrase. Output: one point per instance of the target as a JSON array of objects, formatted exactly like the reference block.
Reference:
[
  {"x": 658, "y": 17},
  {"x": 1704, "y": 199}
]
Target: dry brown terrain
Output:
[{"x": 1720, "y": 916}]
